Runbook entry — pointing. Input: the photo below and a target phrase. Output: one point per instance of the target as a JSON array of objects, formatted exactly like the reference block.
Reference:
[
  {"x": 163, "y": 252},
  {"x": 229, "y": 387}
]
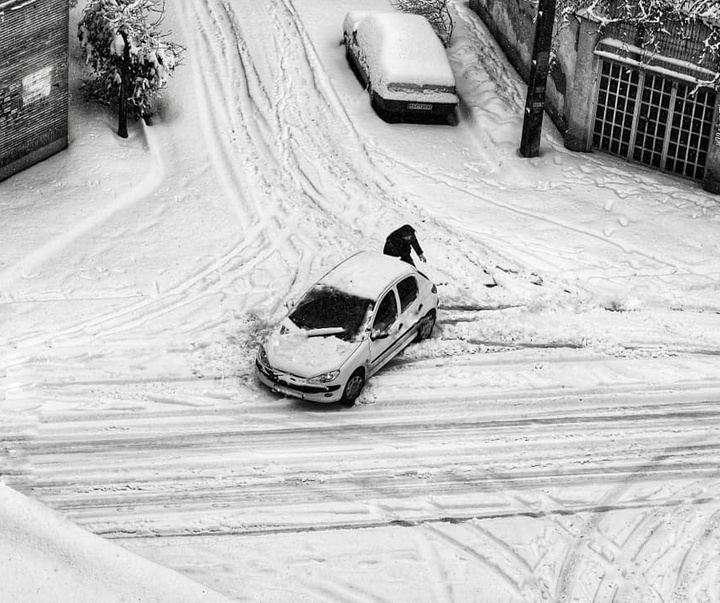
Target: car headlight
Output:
[
  {"x": 325, "y": 377},
  {"x": 262, "y": 355}
]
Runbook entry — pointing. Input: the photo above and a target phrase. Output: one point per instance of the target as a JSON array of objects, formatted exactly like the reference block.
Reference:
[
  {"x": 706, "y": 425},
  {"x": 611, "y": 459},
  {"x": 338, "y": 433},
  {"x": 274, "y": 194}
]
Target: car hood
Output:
[{"x": 304, "y": 353}]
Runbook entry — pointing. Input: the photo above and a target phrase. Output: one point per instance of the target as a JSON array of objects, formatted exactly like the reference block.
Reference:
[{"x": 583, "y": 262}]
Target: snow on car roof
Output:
[
  {"x": 406, "y": 46},
  {"x": 366, "y": 274}
]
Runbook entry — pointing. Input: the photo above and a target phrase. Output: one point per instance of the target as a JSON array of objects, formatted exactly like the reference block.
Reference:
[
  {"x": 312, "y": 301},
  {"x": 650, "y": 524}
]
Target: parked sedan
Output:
[
  {"x": 403, "y": 64},
  {"x": 346, "y": 327}
]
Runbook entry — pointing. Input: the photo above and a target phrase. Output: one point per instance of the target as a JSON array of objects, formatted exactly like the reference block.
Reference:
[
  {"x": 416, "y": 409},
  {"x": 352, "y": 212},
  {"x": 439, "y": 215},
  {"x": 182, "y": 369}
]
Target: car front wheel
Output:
[
  {"x": 353, "y": 387},
  {"x": 427, "y": 324}
]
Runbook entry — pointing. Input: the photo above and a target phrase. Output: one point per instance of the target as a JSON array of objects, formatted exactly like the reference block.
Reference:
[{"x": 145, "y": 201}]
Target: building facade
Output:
[
  {"x": 605, "y": 93},
  {"x": 33, "y": 82}
]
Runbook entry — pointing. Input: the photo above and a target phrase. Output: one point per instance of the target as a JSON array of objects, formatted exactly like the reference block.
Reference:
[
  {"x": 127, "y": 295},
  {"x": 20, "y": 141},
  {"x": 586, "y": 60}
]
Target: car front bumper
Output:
[{"x": 296, "y": 387}]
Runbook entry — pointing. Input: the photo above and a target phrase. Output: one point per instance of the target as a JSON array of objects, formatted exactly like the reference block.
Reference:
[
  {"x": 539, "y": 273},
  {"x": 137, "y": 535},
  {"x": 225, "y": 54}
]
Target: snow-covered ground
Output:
[{"x": 557, "y": 439}]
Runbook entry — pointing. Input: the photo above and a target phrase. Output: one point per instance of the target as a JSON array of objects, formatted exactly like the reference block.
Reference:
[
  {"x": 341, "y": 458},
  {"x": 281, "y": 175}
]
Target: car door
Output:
[
  {"x": 410, "y": 306},
  {"x": 384, "y": 331},
  {"x": 412, "y": 310}
]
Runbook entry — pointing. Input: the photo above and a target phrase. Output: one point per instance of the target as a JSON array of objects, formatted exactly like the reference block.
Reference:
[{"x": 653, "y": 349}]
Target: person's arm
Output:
[{"x": 416, "y": 246}]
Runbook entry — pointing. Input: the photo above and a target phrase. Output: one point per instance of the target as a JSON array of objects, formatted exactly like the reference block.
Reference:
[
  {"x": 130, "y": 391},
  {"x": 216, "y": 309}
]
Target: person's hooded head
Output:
[{"x": 406, "y": 231}]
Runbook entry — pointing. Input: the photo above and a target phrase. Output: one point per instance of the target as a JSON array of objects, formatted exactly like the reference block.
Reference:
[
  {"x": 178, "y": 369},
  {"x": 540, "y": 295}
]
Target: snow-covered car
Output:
[
  {"x": 402, "y": 63},
  {"x": 346, "y": 327}
]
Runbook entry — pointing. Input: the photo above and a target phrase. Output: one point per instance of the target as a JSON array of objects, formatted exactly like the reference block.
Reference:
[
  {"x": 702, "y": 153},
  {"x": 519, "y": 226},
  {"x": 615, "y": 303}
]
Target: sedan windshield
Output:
[{"x": 327, "y": 307}]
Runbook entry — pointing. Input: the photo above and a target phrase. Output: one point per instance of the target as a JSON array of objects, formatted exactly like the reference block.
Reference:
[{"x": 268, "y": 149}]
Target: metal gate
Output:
[{"x": 648, "y": 117}]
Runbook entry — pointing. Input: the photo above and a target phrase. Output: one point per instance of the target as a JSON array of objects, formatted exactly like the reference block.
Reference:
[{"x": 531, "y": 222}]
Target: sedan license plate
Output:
[
  {"x": 279, "y": 389},
  {"x": 419, "y": 107}
]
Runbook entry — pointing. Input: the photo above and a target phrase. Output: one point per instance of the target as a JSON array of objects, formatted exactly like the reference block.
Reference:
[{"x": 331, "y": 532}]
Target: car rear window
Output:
[{"x": 326, "y": 307}]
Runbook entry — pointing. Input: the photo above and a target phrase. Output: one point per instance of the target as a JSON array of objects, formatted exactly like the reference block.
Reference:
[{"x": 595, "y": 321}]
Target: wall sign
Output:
[{"x": 37, "y": 86}]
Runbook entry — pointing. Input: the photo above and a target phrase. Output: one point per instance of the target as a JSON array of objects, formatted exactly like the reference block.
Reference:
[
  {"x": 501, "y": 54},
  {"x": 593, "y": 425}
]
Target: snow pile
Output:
[
  {"x": 47, "y": 558},
  {"x": 401, "y": 49},
  {"x": 300, "y": 354}
]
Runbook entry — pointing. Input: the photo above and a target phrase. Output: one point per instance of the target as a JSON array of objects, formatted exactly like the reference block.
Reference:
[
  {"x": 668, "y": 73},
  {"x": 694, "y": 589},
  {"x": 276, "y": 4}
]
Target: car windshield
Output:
[{"x": 327, "y": 307}]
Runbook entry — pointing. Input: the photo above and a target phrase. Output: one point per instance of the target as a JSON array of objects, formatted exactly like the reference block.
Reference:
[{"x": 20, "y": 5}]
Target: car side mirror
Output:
[{"x": 376, "y": 334}]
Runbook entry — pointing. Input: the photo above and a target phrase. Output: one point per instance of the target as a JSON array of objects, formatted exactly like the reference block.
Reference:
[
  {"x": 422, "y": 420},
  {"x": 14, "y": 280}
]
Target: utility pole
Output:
[{"x": 539, "y": 68}]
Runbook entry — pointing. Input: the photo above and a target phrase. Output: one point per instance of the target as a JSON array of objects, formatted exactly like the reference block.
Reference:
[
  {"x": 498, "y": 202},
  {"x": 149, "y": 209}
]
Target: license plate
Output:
[
  {"x": 278, "y": 389},
  {"x": 419, "y": 107}
]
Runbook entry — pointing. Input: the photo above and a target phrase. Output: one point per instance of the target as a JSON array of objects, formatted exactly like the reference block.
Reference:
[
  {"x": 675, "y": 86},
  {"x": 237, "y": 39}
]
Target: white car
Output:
[
  {"x": 403, "y": 64},
  {"x": 346, "y": 327}
]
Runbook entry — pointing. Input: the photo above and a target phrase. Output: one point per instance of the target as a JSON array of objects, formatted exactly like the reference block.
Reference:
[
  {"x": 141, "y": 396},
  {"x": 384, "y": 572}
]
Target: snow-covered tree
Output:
[
  {"x": 658, "y": 21},
  {"x": 435, "y": 11},
  {"x": 130, "y": 57}
]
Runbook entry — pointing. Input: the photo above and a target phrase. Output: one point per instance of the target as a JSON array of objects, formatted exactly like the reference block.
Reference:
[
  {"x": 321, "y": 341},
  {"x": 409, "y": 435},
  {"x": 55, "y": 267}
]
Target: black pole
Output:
[
  {"x": 539, "y": 69},
  {"x": 124, "y": 86}
]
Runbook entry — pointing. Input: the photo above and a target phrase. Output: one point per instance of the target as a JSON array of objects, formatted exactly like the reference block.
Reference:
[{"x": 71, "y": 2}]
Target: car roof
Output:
[{"x": 366, "y": 274}]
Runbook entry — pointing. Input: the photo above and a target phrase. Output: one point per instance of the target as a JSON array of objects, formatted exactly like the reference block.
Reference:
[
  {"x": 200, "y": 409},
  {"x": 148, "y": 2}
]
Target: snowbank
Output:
[
  {"x": 46, "y": 558},
  {"x": 402, "y": 48}
]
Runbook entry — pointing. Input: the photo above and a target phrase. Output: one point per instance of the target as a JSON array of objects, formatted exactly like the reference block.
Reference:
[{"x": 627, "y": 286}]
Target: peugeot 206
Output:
[{"x": 346, "y": 327}]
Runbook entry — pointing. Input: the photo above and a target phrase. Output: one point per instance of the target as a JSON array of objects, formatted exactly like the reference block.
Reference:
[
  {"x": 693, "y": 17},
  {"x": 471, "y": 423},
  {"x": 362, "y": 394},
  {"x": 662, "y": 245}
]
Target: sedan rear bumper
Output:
[{"x": 413, "y": 107}]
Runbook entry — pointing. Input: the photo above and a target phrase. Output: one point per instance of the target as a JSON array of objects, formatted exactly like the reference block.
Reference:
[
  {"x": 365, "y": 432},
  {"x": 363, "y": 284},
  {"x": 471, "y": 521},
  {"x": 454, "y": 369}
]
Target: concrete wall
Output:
[
  {"x": 571, "y": 85},
  {"x": 511, "y": 23}
]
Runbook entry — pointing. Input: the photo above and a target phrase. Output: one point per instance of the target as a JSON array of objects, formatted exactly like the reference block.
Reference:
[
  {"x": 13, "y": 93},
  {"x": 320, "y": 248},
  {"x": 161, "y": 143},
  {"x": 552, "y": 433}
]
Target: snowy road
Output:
[
  {"x": 558, "y": 438},
  {"x": 200, "y": 463}
]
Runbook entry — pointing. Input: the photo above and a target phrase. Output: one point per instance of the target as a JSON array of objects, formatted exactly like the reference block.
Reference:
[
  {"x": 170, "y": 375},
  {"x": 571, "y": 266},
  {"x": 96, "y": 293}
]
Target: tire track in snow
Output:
[
  {"x": 264, "y": 234},
  {"x": 633, "y": 576},
  {"x": 694, "y": 580},
  {"x": 211, "y": 469},
  {"x": 593, "y": 548},
  {"x": 284, "y": 113},
  {"x": 478, "y": 555},
  {"x": 131, "y": 469},
  {"x": 325, "y": 161},
  {"x": 239, "y": 132},
  {"x": 273, "y": 160}
]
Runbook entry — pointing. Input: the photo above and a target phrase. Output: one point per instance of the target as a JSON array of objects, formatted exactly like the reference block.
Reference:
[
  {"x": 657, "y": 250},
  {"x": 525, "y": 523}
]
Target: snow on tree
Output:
[
  {"x": 130, "y": 57},
  {"x": 657, "y": 22},
  {"x": 435, "y": 11}
]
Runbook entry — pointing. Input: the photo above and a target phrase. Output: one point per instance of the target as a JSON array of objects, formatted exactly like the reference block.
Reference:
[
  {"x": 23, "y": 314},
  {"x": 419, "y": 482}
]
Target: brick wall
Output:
[{"x": 33, "y": 81}]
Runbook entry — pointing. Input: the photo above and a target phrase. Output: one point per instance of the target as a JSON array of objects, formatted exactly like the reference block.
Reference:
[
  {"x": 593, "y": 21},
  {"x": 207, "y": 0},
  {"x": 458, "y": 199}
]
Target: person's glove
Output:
[{"x": 422, "y": 258}]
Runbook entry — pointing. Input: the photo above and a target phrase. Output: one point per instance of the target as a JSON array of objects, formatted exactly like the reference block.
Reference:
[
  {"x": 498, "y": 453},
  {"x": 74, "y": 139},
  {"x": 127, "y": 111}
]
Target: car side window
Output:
[
  {"x": 387, "y": 312},
  {"x": 408, "y": 291}
]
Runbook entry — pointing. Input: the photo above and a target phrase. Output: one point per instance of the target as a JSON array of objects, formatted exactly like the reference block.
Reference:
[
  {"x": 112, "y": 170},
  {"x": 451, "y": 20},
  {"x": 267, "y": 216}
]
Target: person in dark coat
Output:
[{"x": 401, "y": 242}]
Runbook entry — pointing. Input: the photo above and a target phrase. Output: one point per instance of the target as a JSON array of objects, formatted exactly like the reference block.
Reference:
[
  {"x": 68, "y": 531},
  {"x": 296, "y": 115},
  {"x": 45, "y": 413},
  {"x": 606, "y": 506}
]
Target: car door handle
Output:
[{"x": 420, "y": 307}]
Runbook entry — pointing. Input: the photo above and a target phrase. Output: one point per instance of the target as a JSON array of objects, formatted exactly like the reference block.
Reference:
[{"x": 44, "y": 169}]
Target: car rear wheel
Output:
[
  {"x": 427, "y": 324},
  {"x": 353, "y": 387}
]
